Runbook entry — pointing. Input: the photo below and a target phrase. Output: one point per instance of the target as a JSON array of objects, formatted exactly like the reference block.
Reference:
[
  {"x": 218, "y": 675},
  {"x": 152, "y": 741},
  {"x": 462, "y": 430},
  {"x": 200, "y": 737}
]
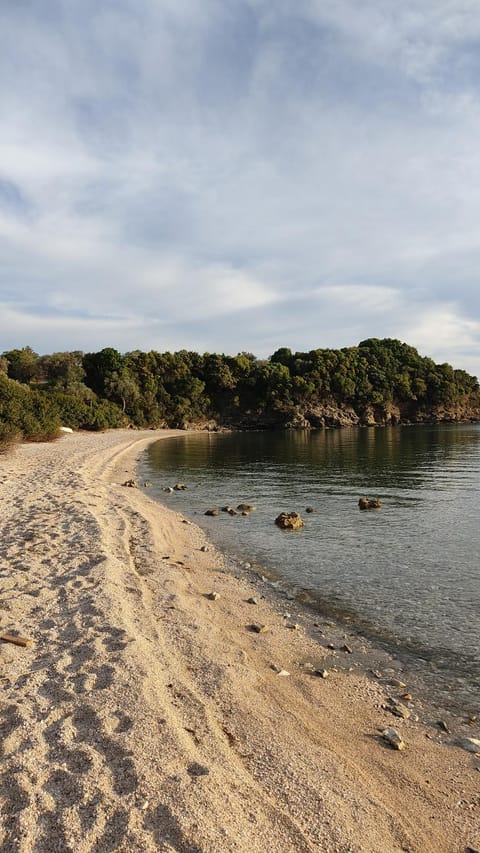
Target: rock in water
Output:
[
  {"x": 179, "y": 487},
  {"x": 369, "y": 503},
  {"x": 393, "y": 738},
  {"x": 289, "y": 521},
  {"x": 246, "y": 507},
  {"x": 214, "y": 511}
]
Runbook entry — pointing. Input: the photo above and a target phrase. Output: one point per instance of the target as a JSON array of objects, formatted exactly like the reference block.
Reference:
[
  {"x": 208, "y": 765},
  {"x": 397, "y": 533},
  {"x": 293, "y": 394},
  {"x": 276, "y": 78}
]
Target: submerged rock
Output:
[
  {"x": 246, "y": 508},
  {"x": 179, "y": 487},
  {"x": 289, "y": 521},
  {"x": 213, "y": 511}
]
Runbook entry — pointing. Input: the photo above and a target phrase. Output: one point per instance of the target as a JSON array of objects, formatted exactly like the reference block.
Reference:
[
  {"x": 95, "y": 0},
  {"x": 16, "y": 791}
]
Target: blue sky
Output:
[{"x": 227, "y": 175}]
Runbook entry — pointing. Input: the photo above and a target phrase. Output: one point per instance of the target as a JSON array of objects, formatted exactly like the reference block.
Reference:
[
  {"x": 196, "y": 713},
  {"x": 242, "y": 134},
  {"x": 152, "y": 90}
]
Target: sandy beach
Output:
[{"x": 147, "y": 715}]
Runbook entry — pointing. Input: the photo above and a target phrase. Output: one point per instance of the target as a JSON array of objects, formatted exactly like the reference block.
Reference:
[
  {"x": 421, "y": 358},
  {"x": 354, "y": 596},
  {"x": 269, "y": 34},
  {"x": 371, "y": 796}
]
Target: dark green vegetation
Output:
[{"x": 378, "y": 381}]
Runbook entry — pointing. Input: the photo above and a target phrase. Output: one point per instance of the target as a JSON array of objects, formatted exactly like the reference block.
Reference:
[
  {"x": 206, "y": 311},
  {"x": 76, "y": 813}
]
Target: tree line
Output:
[{"x": 108, "y": 389}]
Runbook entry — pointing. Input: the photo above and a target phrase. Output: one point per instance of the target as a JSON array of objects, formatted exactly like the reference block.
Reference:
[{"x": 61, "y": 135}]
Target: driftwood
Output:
[{"x": 18, "y": 641}]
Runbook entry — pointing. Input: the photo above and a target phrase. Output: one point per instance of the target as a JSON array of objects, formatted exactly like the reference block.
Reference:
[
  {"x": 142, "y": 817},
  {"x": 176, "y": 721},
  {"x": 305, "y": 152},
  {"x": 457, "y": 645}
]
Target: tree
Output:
[{"x": 22, "y": 364}]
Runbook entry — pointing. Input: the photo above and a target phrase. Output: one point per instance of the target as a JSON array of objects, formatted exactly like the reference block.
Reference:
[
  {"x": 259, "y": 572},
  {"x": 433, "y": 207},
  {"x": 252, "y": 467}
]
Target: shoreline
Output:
[
  {"x": 444, "y": 680},
  {"x": 147, "y": 716}
]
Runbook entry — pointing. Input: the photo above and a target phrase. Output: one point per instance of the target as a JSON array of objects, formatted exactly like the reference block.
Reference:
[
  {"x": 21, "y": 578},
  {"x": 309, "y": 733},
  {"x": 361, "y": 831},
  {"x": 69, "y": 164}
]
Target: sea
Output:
[{"x": 405, "y": 577}]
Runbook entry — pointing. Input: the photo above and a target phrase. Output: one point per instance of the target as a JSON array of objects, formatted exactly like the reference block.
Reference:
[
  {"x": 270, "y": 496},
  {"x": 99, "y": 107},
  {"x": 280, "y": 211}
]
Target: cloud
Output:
[{"x": 240, "y": 175}]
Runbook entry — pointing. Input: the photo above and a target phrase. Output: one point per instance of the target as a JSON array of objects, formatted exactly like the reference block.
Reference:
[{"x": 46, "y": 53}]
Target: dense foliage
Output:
[{"x": 108, "y": 389}]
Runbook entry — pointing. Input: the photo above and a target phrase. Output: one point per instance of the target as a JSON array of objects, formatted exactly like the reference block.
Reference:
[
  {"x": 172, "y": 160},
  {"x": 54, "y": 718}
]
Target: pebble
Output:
[
  {"x": 322, "y": 673},
  {"x": 346, "y": 648},
  {"x": 259, "y": 629},
  {"x": 443, "y": 726},
  {"x": 213, "y": 596},
  {"x": 278, "y": 670},
  {"x": 214, "y": 511},
  {"x": 395, "y": 682},
  {"x": 248, "y": 565},
  {"x": 392, "y": 737},
  {"x": 471, "y": 744},
  {"x": 168, "y": 489},
  {"x": 294, "y": 626},
  {"x": 398, "y": 710},
  {"x": 252, "y": 601},
  {"x": 197, "y": 770},
  {"x": 204, "y": 549}
]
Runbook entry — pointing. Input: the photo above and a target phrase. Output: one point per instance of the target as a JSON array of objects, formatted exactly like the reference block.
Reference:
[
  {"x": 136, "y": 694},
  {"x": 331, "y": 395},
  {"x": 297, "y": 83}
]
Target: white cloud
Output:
[{"x": 240, "y": 175}]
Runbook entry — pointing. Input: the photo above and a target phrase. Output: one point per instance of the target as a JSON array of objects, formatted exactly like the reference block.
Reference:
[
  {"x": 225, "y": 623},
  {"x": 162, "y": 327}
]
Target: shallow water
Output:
[{"x": 407, "y": 574}]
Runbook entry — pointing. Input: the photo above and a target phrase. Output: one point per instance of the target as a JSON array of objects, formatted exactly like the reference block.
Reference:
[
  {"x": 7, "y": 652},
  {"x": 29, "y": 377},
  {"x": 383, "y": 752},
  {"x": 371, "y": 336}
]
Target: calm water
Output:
[{"x": 408, "y": 574}]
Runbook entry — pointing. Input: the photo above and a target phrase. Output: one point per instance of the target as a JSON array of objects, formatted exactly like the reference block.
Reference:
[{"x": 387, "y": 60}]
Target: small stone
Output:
[
  {"x": 294, "y": 626},
  {"x": 346, "y": 648},
  {"x": 213, "y": 596},
  {"x": 214, "y": 511},
  {"x": 471, "y": 744},
  {"x": 322, "y": 673},
  {"x": 246, "y": 508},
  {"x": 259, "y": 629},
  {"x": 394, "y": 682},
  {"x": 130, "y": 484},
  {"x": 392, "y": 737},
  {"x": 147, "y": 484},
  {"x": 407, "y": 697},
  {"x": 283, "y": 673},
  {"x": 331, "y": 646},
  {"x": 248, "y": 565},
  {"x": 232, "y": 511},
  {"x": 399, "y": 710},
  {"x": 168, "y": 489},
  {"x": 197, "y": 769},
  {"x": 184, "y": 521},
  {"x": 443, "y": 726},
  {"x": 252, "y": 600},
  {"x": 204, "y": 549},
  {"x": 310, "y": 509},
  {"x": 179, "y": 487}
]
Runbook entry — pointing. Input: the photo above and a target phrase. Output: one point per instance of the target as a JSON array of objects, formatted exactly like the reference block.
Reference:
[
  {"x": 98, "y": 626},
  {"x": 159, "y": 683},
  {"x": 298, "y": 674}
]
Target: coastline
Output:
[{"x": 146, "y": 716}]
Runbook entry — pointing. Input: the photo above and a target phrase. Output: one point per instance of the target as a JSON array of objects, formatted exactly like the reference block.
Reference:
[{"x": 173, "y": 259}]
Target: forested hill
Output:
[{"x": 377, "y": 382}]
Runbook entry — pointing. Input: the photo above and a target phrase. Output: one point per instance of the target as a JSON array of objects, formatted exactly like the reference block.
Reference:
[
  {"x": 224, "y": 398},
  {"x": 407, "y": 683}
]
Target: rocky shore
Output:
[{"x": 164, "y": 702}]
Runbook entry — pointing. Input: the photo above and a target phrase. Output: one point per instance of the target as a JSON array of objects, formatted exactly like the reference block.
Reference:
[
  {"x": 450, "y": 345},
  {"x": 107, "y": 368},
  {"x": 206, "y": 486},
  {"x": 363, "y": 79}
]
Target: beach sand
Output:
[{"x": 146, "y": 716}]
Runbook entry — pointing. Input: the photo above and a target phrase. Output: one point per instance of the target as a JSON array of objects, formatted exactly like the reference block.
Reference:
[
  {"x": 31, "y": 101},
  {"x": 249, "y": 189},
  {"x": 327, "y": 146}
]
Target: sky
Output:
[{"x": 240, "y": 175}]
